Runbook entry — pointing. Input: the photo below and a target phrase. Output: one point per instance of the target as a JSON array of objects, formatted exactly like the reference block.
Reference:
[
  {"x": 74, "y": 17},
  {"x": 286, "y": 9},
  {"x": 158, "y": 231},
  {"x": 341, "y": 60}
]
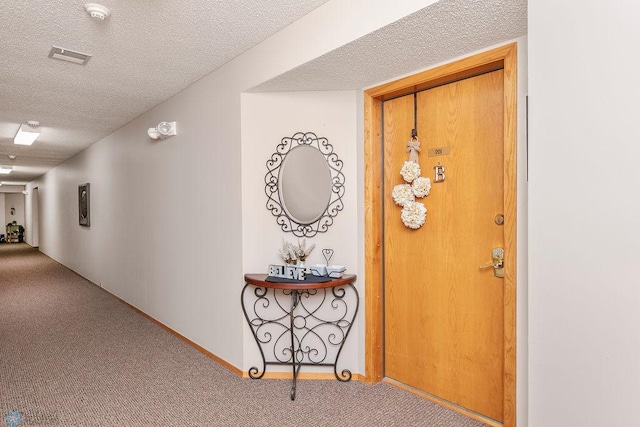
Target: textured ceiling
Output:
[
  {"x": 440, "y": 32},
  {"x": 147, "y": 51}
]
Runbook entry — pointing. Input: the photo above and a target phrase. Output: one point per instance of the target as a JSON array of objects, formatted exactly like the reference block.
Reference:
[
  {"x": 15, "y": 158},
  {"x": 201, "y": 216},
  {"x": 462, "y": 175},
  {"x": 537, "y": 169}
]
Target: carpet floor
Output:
[{"x": 73, "y": 355}]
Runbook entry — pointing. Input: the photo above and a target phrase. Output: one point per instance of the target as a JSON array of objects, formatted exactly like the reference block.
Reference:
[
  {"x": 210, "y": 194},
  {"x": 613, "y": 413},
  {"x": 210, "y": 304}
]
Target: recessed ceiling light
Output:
[
  {"x": 69, "y": 55},
  {"x": 5, "y": 170},
  {"x": 26, "y": 135}
]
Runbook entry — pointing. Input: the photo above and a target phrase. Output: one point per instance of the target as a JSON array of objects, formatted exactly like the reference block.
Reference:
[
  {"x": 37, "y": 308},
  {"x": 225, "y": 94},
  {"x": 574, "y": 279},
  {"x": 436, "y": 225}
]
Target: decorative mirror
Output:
[{"x": 304, "y": 184}]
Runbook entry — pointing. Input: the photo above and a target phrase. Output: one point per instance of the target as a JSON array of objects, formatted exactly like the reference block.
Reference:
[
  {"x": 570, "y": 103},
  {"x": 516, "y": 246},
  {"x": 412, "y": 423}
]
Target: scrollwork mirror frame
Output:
[{"x": 274, "y": 203}]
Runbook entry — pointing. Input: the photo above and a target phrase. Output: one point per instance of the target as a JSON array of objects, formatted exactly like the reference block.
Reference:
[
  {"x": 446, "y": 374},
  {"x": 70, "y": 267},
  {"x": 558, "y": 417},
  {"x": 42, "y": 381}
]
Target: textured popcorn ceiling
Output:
[
  {"x": 148, "y": 50},
  {"x": 440, "y": 32}
]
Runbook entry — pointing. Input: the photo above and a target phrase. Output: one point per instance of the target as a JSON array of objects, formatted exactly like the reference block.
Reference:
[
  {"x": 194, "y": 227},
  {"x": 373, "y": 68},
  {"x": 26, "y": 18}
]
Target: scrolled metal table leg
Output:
[
  {"x": 345, "y": 375},
  {"x": 294, "y": 303},
  {"x": 254, "y": 371}
]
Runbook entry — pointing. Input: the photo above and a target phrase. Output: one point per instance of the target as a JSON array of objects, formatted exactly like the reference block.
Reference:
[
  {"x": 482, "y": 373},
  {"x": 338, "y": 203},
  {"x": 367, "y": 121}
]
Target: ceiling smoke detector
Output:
[
  {"x": 97, "y": 11},
  {"x": 11, "y": 156}
]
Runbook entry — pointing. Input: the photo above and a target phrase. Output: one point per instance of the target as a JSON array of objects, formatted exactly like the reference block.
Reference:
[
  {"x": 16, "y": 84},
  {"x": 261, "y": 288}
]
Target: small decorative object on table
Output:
[
  {"x": 291, "y": 272},
  {"x": 318, "y": 269},
  {"x": 333, "y": 271},
  {"x": 295, "y": 254},
  {"x": 288, "y": 254},
  {"x": 302, "y": 252},
  {"x": 327, "y": 254}
]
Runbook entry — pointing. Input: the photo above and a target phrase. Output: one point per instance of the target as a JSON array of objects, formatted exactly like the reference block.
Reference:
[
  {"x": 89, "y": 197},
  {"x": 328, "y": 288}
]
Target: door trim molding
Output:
[{"x": 504, "y": 57}]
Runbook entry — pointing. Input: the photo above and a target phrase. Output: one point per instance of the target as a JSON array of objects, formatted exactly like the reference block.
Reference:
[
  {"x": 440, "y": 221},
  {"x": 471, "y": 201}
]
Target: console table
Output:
[
  {"x": 299, "y": 323},
  {"x": 15, "y": 233}
]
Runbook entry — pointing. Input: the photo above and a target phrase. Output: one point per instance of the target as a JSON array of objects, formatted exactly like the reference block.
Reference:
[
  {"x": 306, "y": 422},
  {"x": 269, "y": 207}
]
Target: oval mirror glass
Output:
[{"x": 305, "y": 184}]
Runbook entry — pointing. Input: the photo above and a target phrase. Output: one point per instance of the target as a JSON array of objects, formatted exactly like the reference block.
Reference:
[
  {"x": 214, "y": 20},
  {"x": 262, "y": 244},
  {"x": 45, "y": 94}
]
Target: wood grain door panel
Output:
[{"x": 443, "y": 315}]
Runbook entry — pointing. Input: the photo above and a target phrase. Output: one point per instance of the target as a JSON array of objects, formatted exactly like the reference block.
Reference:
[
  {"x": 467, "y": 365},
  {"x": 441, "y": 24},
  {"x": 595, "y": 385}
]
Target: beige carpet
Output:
[{"x": 73, "y": 355}]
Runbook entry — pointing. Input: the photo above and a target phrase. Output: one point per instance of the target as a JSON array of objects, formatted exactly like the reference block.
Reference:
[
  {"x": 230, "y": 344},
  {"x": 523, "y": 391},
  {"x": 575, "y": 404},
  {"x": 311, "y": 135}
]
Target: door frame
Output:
[{"x": 505, "y": 58}]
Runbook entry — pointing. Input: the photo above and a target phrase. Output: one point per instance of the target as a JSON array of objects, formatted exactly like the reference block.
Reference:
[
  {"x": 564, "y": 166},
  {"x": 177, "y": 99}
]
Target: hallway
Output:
[{"x": 71, "y": 354}]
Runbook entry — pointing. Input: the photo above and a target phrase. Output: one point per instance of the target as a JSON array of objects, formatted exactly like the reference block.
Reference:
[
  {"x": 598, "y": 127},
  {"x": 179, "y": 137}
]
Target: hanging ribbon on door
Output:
[{"x": 414, "y": 214}]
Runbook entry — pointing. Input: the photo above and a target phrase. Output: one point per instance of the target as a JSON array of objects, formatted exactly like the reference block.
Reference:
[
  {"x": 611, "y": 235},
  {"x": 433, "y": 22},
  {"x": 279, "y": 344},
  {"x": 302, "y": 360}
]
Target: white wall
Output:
[
  {"x": 3, "y": 223},
  {"x": 266, "y": 119},
  {"x": 14, "y": 201},
  {"x": 165, "y": 231},
  {"x": 584, "y": 213},
  {"x": 33, "y": 232}
]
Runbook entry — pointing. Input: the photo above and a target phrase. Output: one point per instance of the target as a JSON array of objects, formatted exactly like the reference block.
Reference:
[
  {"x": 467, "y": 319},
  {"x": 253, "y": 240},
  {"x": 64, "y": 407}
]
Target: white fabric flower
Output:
[
  {"x": 421, "y": 186},
  {"x": 414, "y": 215},
  {"x": 402, "y": 194},
  {"x": 410, "y": 171},
  {"x": 288, "y": 253}
]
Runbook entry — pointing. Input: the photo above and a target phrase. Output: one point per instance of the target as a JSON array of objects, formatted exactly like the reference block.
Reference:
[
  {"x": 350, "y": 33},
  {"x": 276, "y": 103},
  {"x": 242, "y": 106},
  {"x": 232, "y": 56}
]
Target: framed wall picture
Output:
[{"x": 83, "y": 205}]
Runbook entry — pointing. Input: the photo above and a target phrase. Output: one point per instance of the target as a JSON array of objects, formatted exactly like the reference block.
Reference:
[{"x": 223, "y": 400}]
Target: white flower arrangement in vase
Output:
[
  {"x": 295, "y": 254},
  {"x": 301, "y": 252},
  {"x": 288, "y": 253}
]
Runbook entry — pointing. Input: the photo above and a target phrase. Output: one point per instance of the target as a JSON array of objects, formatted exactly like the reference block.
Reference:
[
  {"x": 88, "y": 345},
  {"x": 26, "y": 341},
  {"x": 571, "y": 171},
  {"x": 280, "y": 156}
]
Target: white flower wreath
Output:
[
  {"x": 414, "y": 215},
  {"x": 410, "y": 170},
  {"x": 402, "y": 194},
  {"x": 421, "y": 186}
]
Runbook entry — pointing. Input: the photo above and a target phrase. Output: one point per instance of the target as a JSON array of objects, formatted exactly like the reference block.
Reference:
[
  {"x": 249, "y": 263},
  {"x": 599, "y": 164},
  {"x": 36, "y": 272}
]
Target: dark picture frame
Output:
[{"x": 83, "y": 205}]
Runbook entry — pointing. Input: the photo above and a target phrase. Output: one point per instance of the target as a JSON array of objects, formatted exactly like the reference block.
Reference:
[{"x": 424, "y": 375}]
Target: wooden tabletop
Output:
[{"x": 260, "y": 280}]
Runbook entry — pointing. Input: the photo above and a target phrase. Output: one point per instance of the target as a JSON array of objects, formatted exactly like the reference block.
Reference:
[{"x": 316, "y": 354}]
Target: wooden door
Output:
[{"x": 443, "y": 327}]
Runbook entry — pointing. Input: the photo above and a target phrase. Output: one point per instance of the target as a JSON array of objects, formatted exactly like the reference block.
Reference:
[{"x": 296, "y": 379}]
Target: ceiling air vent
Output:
[{"x": 69, "y": 55}]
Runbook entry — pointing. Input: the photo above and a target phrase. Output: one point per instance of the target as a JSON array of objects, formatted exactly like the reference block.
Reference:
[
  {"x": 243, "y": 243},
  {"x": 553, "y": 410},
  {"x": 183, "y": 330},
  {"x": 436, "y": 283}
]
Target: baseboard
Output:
[
  {"x": 445, "y": 403},
  {"x": 304, "y": 376}
]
